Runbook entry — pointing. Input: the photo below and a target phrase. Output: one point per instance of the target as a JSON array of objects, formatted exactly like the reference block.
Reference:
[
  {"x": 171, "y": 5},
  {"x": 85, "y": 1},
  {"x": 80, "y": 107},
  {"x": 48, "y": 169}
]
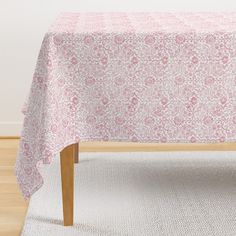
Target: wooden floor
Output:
[{"x": 12, "y": 205}]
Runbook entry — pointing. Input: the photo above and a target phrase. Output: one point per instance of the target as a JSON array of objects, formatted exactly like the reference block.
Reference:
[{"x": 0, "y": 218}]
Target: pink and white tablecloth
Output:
[{"x": 142, "y": 77}]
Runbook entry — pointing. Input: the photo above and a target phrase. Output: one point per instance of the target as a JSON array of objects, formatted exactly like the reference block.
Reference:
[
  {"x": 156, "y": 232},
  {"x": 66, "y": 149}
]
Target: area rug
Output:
[{"x": 141, "y": 194}]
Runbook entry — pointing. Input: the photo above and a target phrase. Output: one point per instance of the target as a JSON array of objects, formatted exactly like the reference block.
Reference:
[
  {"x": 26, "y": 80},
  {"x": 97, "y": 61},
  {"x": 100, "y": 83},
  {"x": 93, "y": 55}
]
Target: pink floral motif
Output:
[
  {"x": 58, "y": 40},
  {"x": 88, "y": 40},
  {"x": 134, "y": 60},
  {"x": 28, "y": 171},
  {"x": 210, "y": 38},
  {"x": 119, "y": 39},
  {"x": 74, "y": 60},
  {"x": 164, "y": 60},
  {"x": 119, "y": 120},
  {"x": 164, "y": 100},
  {"x": 194, "y": 60},
  {"x": 105, "y": 100},
  {"x": 54, "y": 128},
  {"x": 150, "y": 80},
  {"x": 179, "y": 80},
  {"x": 193, "y": 139},
  {"x": 207, "y": 120},
  {"x": 99, "y": 110},
  {"x": 119, "y": 81},
  {"x": 134, "y": 139},
  {"x": 159, "y": 111},
  {"x": 49, "y": 63},
  {"x": 91, "y": 119},
  {"x": 179, "y": 39},
  {"x": 75, "y": 100},
  {"x": 104, "y": 60},
  {"x": 178, "y": 120},
  {"x": 209, "y": 80},
  {"x": 150, "y": 39},
  {"x": 225, "y": 59},
  {"x": 193, "y": 100},
  {"x": 128, "y": 92},
  {"x": 223, "y": 100},
  {"x": 89, "y": 80},
  {"x": 163, "y": 139},
  {"x": 39, "y": 80},
  {"x": 117, "y": 76},
  {"x": 222, "y": 139},
  {"x": 25, "y": 146},
  {"x": 149, "y": 120}
]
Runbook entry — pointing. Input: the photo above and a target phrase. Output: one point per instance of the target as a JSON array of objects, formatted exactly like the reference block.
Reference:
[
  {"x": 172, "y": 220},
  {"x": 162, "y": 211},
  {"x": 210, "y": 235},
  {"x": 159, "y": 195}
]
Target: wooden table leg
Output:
[
  {"x": 67, "y": 179},
  {"x": 76, "y": 152}
]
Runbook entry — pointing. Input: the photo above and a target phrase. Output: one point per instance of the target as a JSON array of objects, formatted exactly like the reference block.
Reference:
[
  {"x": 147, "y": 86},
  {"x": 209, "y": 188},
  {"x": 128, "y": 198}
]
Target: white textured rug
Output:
[{"x": 141, "y": 194}]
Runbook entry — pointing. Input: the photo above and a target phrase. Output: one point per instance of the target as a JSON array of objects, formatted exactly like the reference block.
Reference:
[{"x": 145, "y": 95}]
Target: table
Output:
[{"x": 142, "y": 77}]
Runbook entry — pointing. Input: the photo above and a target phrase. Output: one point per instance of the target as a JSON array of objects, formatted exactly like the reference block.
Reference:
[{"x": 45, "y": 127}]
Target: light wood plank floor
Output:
[{"x": 12, "y": 205}]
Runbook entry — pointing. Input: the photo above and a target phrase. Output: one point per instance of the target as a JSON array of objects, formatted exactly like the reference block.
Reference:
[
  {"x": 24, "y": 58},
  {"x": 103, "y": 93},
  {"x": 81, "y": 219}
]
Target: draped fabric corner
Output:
[{"x": 140, "y": 77}]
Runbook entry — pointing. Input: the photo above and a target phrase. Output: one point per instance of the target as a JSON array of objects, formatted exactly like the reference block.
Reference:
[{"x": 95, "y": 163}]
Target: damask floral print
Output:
[{"x": 139, "y": 77}]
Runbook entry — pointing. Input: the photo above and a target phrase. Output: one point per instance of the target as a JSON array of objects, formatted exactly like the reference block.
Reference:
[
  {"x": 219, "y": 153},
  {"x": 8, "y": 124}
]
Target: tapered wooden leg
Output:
[
  {"x": 76, "y": 152},
  {"x": 67, "y": 179}
]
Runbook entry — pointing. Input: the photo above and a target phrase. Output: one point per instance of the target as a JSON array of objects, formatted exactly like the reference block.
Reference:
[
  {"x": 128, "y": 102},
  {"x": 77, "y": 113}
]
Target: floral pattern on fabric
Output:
[{"x": 140, "y": 77}]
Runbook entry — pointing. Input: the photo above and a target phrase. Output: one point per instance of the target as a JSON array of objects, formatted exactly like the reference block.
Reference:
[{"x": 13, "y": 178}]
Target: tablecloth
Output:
[{"x": 140, "y": 77}]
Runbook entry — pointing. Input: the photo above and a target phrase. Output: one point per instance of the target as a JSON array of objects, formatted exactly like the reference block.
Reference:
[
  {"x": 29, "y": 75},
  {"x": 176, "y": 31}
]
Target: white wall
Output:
[{"x": 22, "y": 27}]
